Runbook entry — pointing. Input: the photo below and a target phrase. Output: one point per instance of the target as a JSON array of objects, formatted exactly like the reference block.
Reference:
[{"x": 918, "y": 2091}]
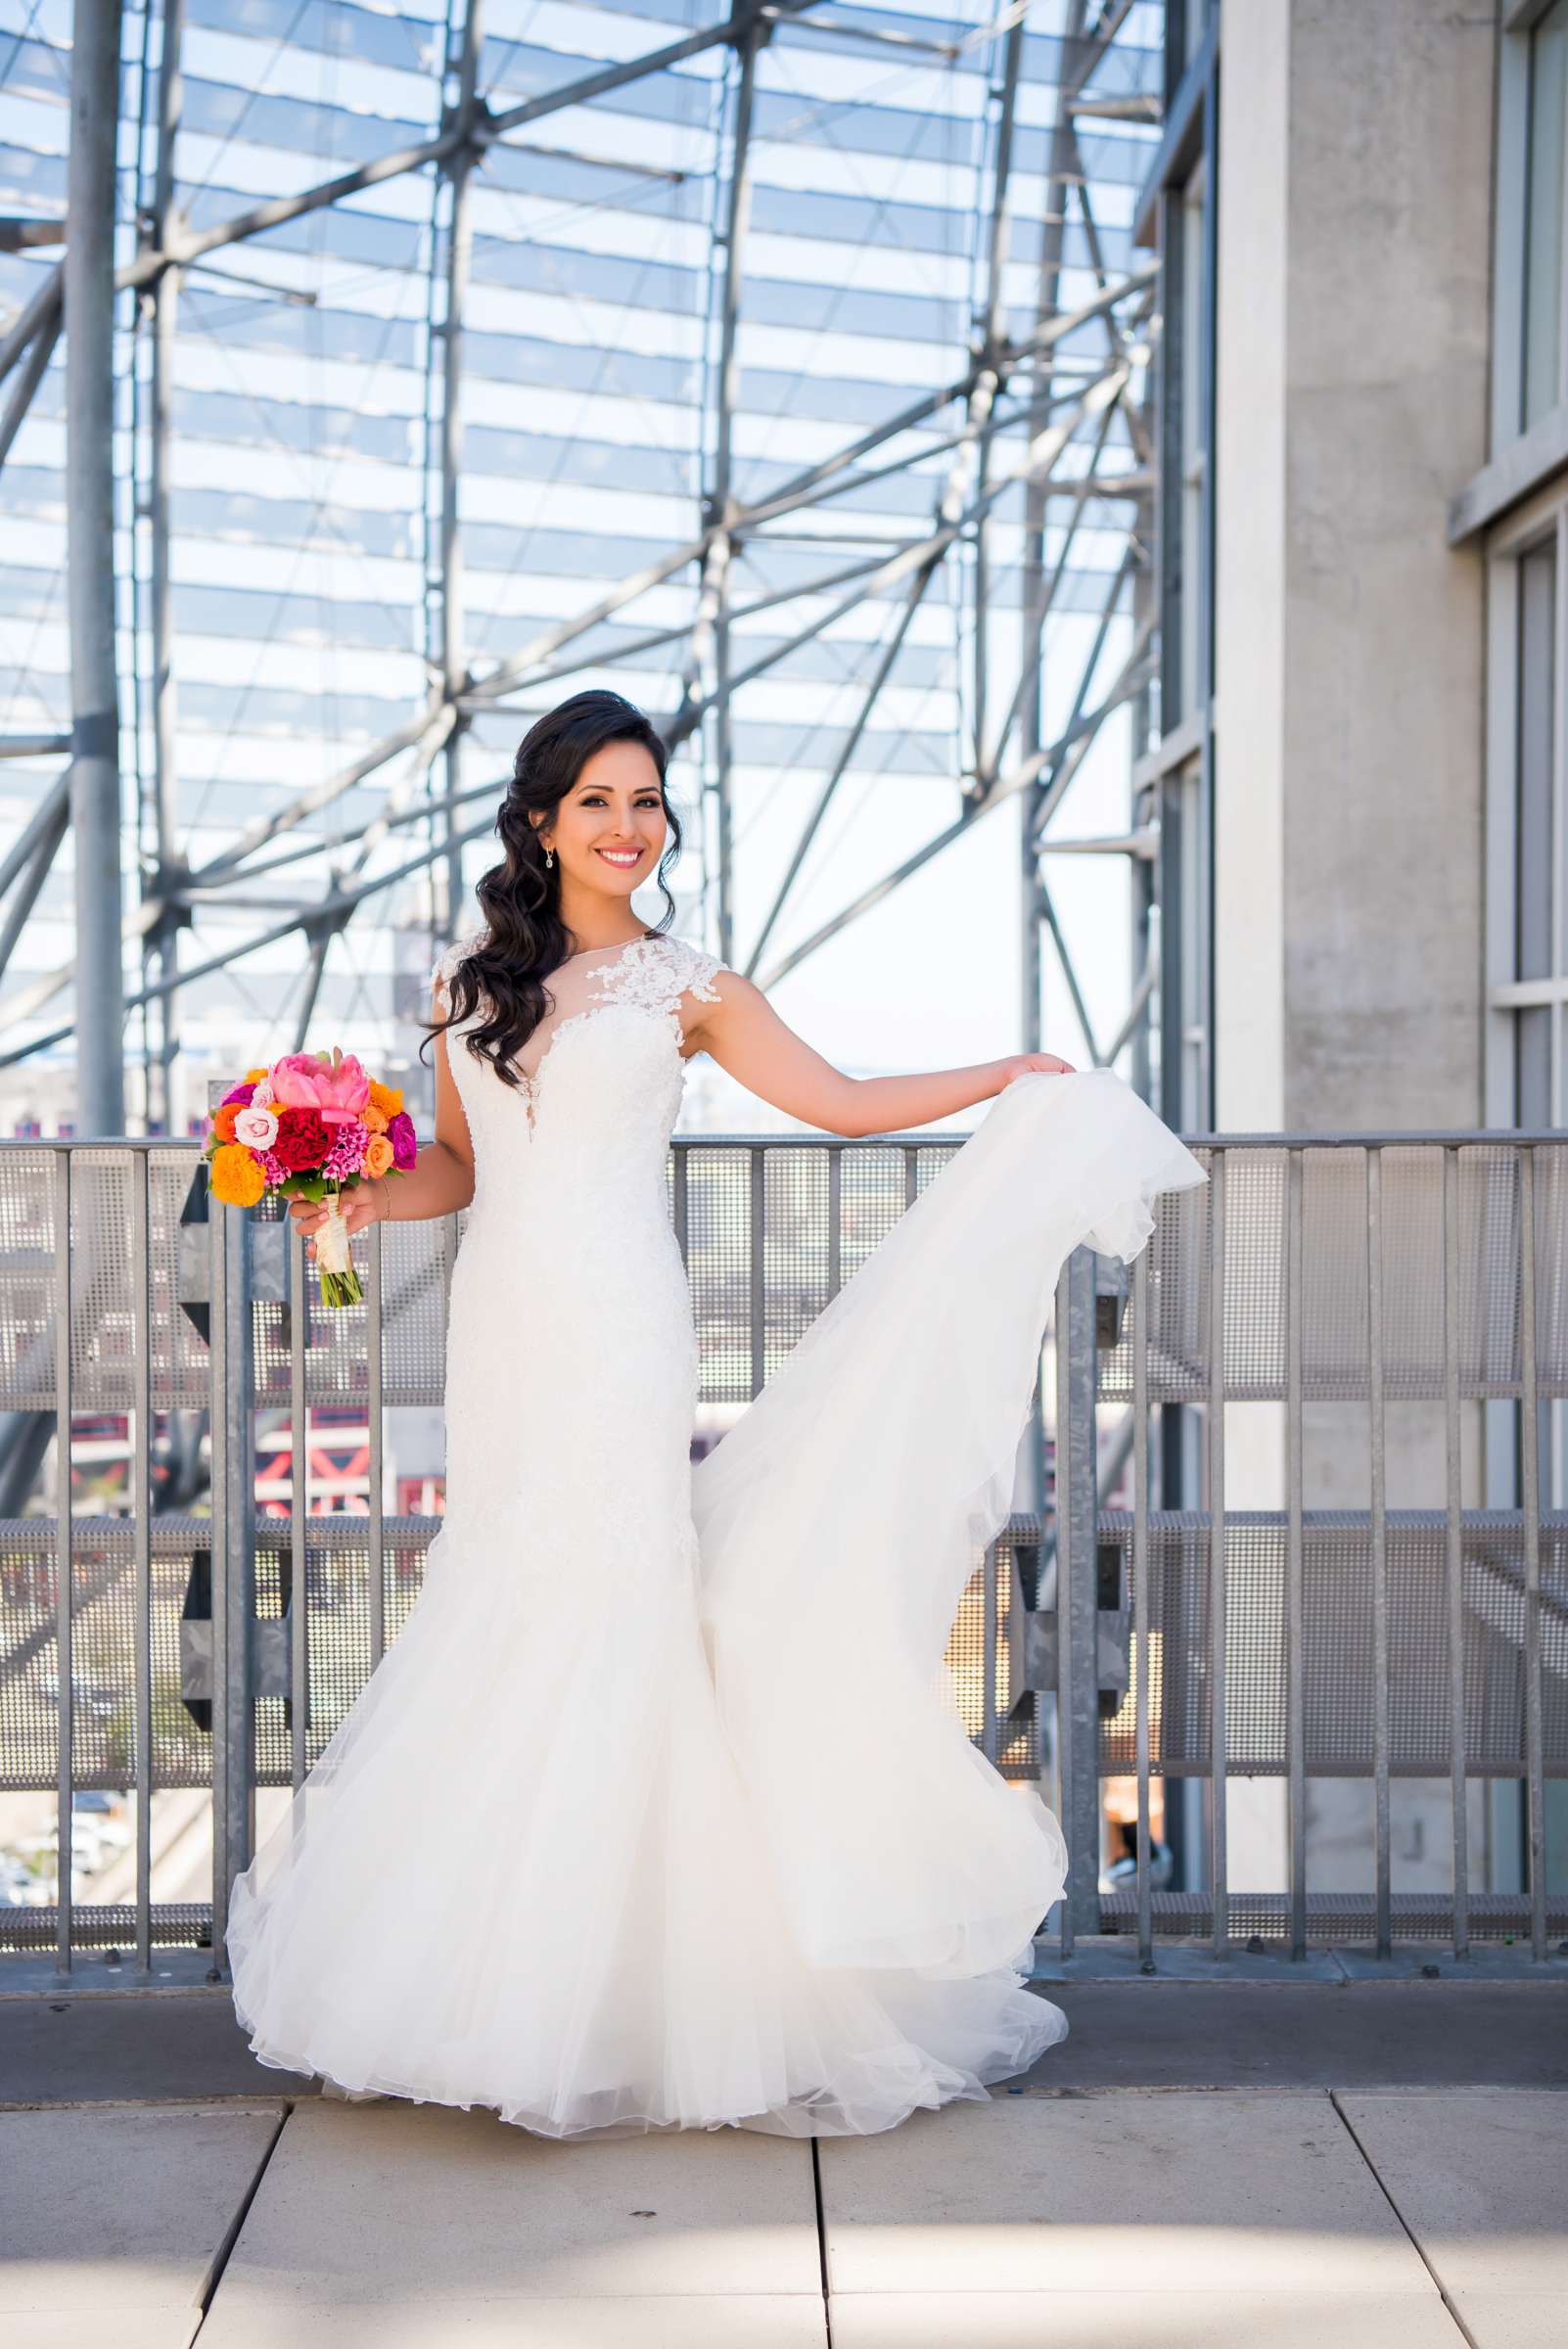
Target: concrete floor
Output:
[{"x": 1192, "y": 2181}]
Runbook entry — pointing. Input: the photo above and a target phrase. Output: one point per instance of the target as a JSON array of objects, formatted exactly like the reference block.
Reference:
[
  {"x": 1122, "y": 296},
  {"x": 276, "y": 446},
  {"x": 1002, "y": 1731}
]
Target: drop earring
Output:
[{"x": 549, "y": 856}]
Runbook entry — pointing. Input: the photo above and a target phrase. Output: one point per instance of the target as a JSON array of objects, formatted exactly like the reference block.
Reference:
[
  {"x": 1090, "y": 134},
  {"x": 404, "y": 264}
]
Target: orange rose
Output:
[
  {"x": 237, "y": 1177},
  {"x": 223, "y": 1118},
  {"x": 374, "y": 1120},
  {"x": 378, "y": 1154}
]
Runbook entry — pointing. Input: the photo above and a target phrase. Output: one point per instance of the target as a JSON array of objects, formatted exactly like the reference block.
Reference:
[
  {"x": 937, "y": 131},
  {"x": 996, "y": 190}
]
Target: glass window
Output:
[
  {"x": 1543, "y": 377},
  {"x": 1536, "y": 827}
]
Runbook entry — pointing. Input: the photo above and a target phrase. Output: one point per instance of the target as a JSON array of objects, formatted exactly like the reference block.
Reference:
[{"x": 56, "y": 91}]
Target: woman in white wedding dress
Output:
[{"x": 660, "y": 1813}]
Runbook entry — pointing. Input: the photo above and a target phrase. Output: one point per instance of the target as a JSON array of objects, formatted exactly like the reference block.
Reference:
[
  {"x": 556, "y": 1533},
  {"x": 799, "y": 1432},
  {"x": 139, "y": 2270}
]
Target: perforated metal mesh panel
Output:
[
  {"x": 765, "y": 1250},
  {"x": 1339, "y": 1659},
  {"x": 102, "y": 1319},
  {"x": 104, "y": 1668},
  {"x": 1334, "y": 1308},
  {"x": 338, "y": 1584},
  {"x": 1011, "y": 1566},
  {"x": 1333, "y": 1918}
]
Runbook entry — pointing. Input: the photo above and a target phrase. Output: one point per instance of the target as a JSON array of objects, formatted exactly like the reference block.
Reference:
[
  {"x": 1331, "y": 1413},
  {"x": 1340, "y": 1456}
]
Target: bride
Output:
[{"x": 660, "y": 1813}]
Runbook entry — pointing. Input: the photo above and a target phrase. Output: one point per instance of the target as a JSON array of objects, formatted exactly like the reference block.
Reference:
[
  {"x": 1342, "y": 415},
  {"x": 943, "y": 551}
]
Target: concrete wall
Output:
[
  {"x": 1355, "y": 223},
  {"x": 1251, "y": 607},
  {"x": 1350, "y": 394}
]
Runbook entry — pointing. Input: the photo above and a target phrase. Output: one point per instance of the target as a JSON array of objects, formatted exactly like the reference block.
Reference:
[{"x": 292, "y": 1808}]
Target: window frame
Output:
[{"x": 1542, "y": 520}]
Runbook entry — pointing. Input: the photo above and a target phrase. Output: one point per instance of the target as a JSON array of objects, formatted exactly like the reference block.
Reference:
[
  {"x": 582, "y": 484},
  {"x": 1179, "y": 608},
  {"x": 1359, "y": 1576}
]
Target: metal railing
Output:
[
  {"x": 1369, "y": 1308},
  {"x": 1326, "y": 1280}
]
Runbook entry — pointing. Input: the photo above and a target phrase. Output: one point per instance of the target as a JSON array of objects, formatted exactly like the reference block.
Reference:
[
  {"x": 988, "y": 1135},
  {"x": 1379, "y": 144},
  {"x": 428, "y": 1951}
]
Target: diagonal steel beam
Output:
[
  {"x": 793, "y": 493},
  {"x": 56, "y": 802},
  {"x": 1038, "y": 460},
  {"x": 488, "y": 130},
  {"x": 1047, "y": 910},
  {"x": 321, "y": 795},
  {"x": 341, "y": 902},
  {"x": 1006, "y": 785},
  {"x": 847, "y": 751},
  {"x": 33, "y": 855},
  {"x": 44, "y": 306},
  {"x": 1044, "y": 597},
  {"x": 30, "y": 376}
]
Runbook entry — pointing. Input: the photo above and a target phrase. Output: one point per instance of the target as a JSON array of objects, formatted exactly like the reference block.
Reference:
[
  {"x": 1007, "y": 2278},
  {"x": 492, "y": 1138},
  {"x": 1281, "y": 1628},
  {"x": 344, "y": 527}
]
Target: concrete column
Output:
[
  {"x": 1354, "y": 290},
  {"x": 1354, "y": 179}
]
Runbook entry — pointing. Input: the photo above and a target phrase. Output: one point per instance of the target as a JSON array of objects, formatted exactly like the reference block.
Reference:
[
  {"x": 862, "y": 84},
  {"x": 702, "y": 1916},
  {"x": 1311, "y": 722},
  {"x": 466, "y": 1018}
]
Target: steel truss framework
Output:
[{"x": 1037, "y": 448}]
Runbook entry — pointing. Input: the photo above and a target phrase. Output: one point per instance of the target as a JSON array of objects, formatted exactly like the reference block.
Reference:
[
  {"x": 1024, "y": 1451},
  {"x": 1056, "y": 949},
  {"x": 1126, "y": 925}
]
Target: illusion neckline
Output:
[{"x": 619, "y": 947}]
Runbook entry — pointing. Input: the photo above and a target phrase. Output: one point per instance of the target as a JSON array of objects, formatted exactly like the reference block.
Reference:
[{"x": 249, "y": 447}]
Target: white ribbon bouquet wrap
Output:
[{"x": 339, "y": 1282}]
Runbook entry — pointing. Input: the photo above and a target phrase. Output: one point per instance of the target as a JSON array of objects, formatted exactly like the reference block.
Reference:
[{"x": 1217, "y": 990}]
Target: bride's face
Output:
[{"x": 609, "y": 831}]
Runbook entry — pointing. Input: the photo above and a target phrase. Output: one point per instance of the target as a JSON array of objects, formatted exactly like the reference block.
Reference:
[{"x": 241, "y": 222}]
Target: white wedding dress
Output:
[{"x": 660, "y": 1813}]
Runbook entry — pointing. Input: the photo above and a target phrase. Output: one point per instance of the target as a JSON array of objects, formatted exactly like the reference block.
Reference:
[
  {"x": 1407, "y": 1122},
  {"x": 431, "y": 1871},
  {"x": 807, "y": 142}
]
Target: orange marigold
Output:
[
  {"x": 388, "y": 1098},
  {"x": 378, "y": 1154},
  {"x": 237, "y": 1177},
  {"x": 254, "y": 1075}
]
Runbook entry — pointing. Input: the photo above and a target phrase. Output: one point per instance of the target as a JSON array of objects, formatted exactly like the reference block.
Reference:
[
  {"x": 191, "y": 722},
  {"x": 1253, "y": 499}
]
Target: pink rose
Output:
[{"x": 335, "y": 1088}]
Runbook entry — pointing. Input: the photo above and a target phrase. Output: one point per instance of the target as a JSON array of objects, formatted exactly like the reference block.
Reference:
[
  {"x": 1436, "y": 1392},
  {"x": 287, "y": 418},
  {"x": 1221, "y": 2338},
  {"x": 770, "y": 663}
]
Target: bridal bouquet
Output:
[{"x": 312, "y": 1126}]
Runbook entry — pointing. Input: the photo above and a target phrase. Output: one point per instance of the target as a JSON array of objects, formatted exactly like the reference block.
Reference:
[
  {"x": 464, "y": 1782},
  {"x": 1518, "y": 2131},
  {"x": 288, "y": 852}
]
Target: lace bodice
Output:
[
  {"x": 646, "y": 976},
  {"x": 640, "y": 971}
]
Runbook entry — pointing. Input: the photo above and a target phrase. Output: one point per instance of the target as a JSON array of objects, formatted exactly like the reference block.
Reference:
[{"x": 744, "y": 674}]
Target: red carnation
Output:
[{"x": 303, "y": 1141}]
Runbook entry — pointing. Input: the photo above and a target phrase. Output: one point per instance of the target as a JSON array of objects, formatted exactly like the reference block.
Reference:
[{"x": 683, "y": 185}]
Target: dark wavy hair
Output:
[{"x": 521, "y": 896}]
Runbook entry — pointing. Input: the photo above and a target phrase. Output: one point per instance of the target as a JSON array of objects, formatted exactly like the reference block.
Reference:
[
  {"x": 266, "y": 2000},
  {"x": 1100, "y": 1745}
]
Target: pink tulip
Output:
[{"x": 335, "y": 1088}]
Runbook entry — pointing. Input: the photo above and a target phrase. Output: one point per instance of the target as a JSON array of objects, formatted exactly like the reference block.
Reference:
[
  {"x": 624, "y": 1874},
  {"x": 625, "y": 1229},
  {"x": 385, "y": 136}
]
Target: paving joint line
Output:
[
  {"x": 1349, "y": 2126},
  {"x": 821, "y": 2240},
  {"x": 218, "y": 2266}
]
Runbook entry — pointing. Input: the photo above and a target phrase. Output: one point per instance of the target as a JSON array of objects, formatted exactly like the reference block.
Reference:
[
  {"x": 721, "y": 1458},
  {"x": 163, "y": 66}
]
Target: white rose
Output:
[{"x": 256, "y": 1128}]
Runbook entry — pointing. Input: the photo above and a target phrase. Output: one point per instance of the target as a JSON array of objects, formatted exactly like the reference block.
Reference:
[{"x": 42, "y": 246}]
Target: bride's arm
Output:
[
  {"x": 745, "y": 1035},
  {"x": 440, "y": 1182}
]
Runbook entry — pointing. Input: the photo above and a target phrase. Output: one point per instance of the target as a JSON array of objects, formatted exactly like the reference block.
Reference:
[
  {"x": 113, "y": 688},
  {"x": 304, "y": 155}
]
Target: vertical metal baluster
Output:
[
  {"x": 1140, "y": 1589},
  {"x": 1065, "y": 1790},
  {"x": 299, "y": 1506},
  {"x": 1452, "y": 1501},
  {"x": 66, "y": 1725},
  {"x": 1295, "y": 1675},
  {"x": 1077, "y": 1600},
  {"x": 835, "y": 1213},
  {"x": 374, "y": 1381},
  {"x": 991, "y": 1567},
  {"x": 759, "y": 1267},
  {"x": 234, "y": 1570},
  {"x": 912, "y": 1174},
  {"x": 680, "y": 1205},
  {"x": 141, "y": 1272},
  {"x": 1219, "y": 1855},
  {"x": 1530, "y": 1474},
  {"x": 218, "y": 1371},
  {"x": 450, "y": 1233},
  {"x": 1378, "y": 1465}
]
